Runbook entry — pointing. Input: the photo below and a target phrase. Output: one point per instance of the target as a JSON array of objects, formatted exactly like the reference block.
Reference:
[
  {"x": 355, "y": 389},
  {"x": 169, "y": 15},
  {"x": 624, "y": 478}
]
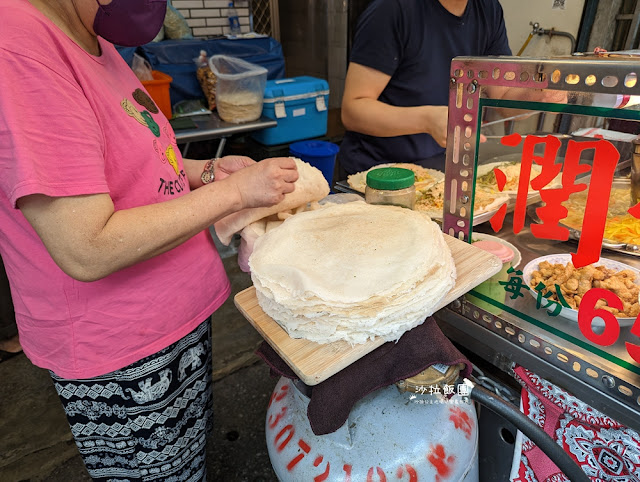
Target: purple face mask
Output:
[{"x": 130, "y": 23}]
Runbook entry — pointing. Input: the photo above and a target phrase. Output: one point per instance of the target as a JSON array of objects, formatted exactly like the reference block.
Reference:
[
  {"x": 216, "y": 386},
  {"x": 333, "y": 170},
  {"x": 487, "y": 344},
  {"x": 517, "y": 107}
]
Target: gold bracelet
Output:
[{"x": 207, "y": 174}]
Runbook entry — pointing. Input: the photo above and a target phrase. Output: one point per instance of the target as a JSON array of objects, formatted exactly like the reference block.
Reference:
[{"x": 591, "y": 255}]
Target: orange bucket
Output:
[{"x": 158, "y": 89}]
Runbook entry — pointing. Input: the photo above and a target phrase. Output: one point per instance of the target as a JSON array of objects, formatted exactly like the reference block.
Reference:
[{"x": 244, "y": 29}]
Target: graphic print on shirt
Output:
[
  {"x": 166, "y": 187},
  {"x": 172, "y": 159},
  {"x": 143, "y": 117},
  {"x": 141, "y": 97},
  {"x": 168, "y": 131},
  {"x": 158, "y": 148},
  {"x": 170, "y": 187},
  {"x": 131, "y": 111},
  {"x": 151, "y": 124}
]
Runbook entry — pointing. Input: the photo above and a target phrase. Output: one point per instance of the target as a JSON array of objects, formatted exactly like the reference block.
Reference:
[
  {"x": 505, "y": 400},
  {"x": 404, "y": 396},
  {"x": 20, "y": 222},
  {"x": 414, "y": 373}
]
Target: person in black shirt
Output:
[{"x": 397, "y": 85}]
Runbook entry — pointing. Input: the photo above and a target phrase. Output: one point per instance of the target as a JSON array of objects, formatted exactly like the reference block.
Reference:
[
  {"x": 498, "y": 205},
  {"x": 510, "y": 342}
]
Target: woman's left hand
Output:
[{"x": 227, "y": 165}]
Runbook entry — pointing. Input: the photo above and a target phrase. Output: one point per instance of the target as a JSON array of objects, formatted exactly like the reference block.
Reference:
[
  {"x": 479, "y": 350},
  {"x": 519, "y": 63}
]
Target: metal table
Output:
[
  {"x": 554, "y": 348},
  {"x": 210, "y": 126}
]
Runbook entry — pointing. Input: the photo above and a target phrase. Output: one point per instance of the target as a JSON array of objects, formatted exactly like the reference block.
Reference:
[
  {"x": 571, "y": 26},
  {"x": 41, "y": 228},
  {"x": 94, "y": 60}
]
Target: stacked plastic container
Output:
[{"x": 239, "y": 88}]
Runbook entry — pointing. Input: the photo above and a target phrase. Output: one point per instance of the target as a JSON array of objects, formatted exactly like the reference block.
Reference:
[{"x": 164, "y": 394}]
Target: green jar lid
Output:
[{"x": 390, "y": 178}]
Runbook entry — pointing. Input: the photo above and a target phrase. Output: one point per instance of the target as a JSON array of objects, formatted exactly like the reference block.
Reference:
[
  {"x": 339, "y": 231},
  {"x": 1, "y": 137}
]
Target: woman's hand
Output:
[
  {"x": 89, "y": 239},
  {"x": 227, "y": 165},
  {"x": 263, "y": 183}
]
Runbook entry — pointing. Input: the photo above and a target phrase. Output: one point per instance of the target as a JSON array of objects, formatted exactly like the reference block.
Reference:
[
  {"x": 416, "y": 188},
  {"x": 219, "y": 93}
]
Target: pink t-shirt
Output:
[{"x": 72, "y": 124}]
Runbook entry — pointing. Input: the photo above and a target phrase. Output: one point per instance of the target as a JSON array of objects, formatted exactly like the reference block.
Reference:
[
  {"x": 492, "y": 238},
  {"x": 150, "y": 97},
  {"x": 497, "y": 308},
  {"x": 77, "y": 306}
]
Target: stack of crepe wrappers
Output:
[{"x": 352, "y": 272}]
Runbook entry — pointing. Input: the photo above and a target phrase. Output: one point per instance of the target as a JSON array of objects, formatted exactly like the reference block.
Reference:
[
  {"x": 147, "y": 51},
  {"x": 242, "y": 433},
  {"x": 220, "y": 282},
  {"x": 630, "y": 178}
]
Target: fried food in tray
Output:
[{"x": 575, "y": 282}]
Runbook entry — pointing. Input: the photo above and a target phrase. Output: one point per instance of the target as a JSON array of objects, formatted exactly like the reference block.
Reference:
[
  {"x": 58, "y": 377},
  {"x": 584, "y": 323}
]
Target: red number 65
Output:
[{"x": 611, "y": 332}]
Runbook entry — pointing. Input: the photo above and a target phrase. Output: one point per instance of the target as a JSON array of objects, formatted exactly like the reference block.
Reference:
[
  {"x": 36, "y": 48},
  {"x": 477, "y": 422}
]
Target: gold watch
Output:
[{"x": 207, "y": 174}]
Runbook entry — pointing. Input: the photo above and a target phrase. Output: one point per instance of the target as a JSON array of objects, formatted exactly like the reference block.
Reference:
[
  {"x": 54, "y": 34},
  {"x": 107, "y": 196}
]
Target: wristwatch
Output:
[{"x": 207, "y": 174}]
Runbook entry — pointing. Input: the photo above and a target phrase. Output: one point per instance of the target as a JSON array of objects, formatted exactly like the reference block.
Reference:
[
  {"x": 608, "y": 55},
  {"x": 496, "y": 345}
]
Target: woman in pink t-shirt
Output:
[{"x": 104, "y": 235}]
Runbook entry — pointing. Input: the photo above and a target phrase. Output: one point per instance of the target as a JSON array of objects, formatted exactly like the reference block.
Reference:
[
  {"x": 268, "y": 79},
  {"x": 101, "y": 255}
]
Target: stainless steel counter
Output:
[
  {"x": 210, "y": 126},
  {"x": 553, "y": 347}
]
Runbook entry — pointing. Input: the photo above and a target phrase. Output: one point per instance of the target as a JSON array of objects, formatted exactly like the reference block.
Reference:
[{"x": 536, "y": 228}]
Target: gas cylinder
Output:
[{"x": 415, "y": 430}]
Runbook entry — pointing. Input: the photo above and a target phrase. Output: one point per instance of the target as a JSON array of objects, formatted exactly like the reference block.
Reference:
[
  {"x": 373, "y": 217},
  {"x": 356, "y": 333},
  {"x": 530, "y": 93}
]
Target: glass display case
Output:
[{"x": 540, "y": 158}]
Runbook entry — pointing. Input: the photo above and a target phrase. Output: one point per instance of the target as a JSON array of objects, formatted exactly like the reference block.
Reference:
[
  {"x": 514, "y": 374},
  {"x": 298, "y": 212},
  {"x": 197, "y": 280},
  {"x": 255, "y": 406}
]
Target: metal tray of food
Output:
[
  {"x": 483, "y": 217},
  {"x": 629, "y": 248}
]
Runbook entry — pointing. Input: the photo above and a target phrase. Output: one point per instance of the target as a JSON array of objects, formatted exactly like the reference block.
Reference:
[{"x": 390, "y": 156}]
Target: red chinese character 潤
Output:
[{"x": 605, "y": 160}]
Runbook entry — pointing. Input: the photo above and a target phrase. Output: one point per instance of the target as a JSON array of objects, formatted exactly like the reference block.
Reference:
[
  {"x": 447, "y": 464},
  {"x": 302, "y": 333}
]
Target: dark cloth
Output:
[
  {"x": 148, "y": 421},
  {"x": 332, "y": 400},
  {"x": 621, "y": 125},
  {"x": 8, "y": 326},
  {"x": 414, "y": 41}
]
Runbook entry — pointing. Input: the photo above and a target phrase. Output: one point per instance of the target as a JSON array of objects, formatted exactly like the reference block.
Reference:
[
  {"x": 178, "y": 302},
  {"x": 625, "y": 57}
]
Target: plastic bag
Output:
[
  {"x": 190, "y": 107},
  {"x": 175, "y": 25},
  {"x": 160, "y": 36},
  {"x": 141, "y": 68},
  {"x": 240, "y": 88},
  {"x": 206, "y": 79}
]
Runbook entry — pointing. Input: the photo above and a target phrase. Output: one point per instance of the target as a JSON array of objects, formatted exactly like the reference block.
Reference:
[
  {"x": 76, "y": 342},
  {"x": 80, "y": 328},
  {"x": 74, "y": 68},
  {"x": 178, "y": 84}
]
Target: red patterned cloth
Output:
[{"x": 605, "y": 449}]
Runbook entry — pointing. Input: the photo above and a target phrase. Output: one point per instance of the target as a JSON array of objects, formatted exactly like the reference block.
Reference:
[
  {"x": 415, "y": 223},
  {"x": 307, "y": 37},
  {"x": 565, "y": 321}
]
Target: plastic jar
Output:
[
  {"x": 492, "y": 287},
  {"x": 391, "y": 185}
]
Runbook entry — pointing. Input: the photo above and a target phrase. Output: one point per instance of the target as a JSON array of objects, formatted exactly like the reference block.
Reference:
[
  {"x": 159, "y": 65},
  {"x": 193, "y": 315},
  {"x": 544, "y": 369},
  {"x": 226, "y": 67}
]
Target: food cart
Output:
[
  {"x": 531, "y": 168},
  {"x": 579, "y": 146}
]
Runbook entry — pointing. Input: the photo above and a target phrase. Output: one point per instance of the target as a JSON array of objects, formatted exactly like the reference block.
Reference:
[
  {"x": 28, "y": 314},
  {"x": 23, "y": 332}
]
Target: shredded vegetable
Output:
[
  {"x": 624, "y": 229},
  {"x": 620, "y": 227}
]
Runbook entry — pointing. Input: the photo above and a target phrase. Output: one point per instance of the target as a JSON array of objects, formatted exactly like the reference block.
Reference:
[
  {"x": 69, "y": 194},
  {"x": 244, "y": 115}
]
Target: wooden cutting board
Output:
[{"x": 315, "y": 362}]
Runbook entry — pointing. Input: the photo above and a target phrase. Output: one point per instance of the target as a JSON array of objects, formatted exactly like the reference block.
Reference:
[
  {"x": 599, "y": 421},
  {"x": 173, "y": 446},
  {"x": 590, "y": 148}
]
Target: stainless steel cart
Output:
[{"x": 593, "y": 93}]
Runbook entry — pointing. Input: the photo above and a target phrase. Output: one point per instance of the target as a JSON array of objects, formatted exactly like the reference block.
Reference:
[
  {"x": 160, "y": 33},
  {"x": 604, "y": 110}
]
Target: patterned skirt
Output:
[{"x": 148, "y": 421}]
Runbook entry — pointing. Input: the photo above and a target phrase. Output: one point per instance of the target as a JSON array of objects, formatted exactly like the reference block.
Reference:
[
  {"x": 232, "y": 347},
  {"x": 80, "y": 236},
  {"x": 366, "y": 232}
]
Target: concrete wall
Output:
[
  {"x": 337, "y": 66},
  {"x": 209, "y": 17},
  {"x": 603, "y": 29},
  {"x": 313, "y": 34},
  {"x": 563, "y": 15},
  {"x": 304, "y": 28}
]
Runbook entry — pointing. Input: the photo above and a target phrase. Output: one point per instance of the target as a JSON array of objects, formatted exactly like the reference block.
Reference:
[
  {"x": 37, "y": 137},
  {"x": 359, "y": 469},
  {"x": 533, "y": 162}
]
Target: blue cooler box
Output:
[{"x": 299, "y": 104}]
